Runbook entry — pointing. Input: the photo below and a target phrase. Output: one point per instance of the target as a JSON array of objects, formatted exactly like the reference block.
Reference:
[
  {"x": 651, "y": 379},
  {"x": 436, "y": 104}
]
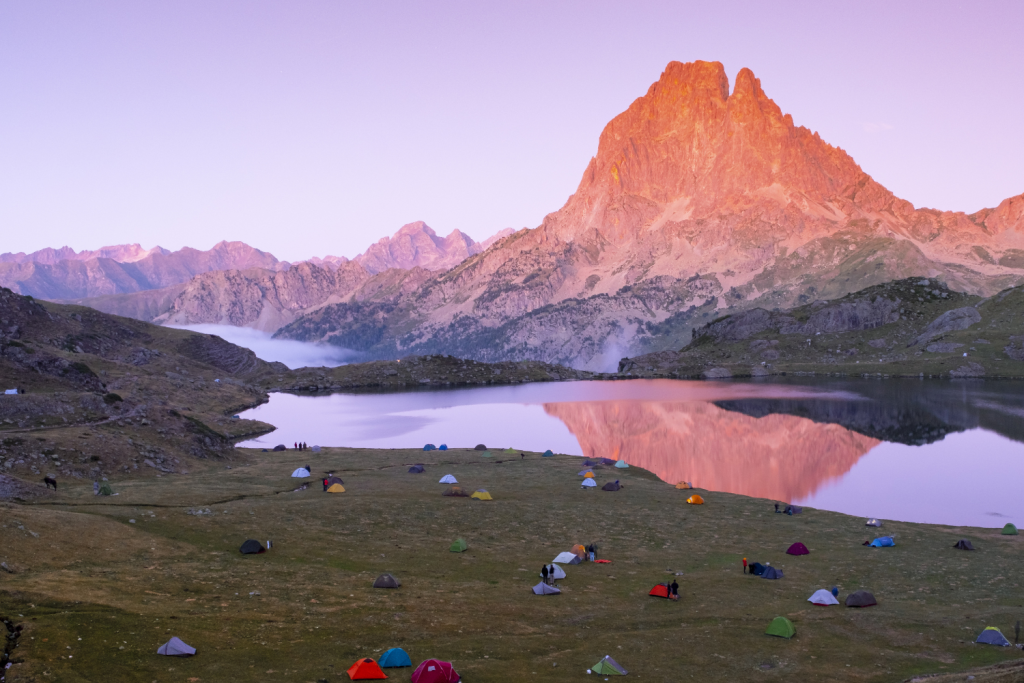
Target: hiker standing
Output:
[
  {"x": 551, "y": 573},
  {"x": 674, "y": 589},
  {"x": 593, "y": 551},
  {"x": 744, "y": 565},
  {"x": 325, "y": 484},
  {"x": 296, "y": 444},
  {"x": 776, "y": 508},
  {"x": 544, "y": 573}
]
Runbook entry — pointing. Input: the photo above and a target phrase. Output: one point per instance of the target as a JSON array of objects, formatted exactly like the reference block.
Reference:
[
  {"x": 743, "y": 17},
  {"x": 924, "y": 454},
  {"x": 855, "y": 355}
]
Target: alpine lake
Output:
[{"x": 937, "y": 461}]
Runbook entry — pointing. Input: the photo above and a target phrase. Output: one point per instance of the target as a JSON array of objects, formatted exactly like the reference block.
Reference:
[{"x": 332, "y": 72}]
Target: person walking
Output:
[
  {"x": 544, "y": 573},
  {"x": 674, "y": 589}
]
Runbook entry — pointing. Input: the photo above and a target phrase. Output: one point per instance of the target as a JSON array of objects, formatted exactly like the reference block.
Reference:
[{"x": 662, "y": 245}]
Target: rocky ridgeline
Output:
[{"x": 420, "y": 371}]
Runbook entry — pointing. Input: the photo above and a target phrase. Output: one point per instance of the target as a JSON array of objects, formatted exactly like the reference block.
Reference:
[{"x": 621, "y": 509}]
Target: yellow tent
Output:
[
  {"x": 695, "y": 500},
  {"x": 579, "y": 550},
  {"x": 684, "y": 485},
  {"x": 482, "y": 495},
  {"x": 336, "y": 488},
  {"x": 588, "y": 475}
]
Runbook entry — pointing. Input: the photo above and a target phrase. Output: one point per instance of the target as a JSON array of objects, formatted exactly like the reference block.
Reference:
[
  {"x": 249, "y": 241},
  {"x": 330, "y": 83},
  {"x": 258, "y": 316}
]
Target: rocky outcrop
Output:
[
  {"x": 416, "y": 245},
  {"x": 950, "y": 321}
]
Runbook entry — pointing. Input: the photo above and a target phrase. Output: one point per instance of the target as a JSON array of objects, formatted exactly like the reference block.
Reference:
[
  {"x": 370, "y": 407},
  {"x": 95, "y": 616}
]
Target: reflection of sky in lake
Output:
[{"x": 673, "y": 429}]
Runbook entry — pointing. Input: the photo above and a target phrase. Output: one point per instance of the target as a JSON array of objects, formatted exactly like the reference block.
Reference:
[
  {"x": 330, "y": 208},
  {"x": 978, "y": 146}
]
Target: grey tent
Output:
[
  {"x": 612, "y": 486},
  {"x": 544, "y": 589},
  {"x": 992, "y": 636},
  {"x": 386, "y": 581},
  {"x": 252, "y": 547},
  {"x": 771, "y": 573},
  {"x": 860, "y": 599},
  {"x": 963, "y": 544},
  {"x": 175, "y": 648},
  {"x": 416, "y": 469},
  {"x": 873, "y": 522},
  {"x": 280, "y": 447},
  {"x": 480, "y": 447}
]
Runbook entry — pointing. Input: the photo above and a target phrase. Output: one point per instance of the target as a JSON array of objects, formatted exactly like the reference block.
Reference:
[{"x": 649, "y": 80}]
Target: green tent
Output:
[
  {"x": 1009, "y": 530},
  {"x": 510, "y": 450},
  {"x": 486, "y": 454},
  {"x": 781, "y": 627},
  {"x": 459, "y": 546},
  {"x": 105, "y": 489},
  {"x": 548, "y": 454},
  {"x": 608, "y": 667}
]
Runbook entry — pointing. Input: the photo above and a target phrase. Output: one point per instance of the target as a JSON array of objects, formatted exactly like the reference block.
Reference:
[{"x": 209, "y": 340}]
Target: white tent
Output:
[
  {"x": 544, "y": 589},
  {"x": 559, "y": 572},
  {"x": 589, "y": 483},
  {"x": 823, "y": 597},
  {"x": 566, "y": 558},
  {"x": 10, "y": 392},
  {"x": 622, "y": 464},
  {"x": 301, "y": 472},
  {"x": 175, "y": 648},
  {"x": 316, "y": 449},
  {"x": 873, "y": 522},
  {"x": 448, "y": 479}
]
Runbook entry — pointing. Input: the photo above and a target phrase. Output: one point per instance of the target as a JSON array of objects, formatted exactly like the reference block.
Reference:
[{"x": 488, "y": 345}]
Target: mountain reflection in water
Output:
[{"x": 777, "y": 456}]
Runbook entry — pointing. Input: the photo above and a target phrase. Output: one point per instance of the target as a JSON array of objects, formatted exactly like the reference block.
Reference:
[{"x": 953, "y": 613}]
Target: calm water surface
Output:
[{"x": 924, "y": 451}]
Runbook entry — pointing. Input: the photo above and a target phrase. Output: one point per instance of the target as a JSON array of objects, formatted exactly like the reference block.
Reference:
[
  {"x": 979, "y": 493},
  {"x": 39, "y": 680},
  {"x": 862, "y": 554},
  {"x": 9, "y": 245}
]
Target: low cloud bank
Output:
[{"x": 294, "y": 354}]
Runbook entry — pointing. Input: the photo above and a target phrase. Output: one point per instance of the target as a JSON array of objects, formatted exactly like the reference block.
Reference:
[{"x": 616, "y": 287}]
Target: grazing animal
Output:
[{"x": 50, "y": 481}]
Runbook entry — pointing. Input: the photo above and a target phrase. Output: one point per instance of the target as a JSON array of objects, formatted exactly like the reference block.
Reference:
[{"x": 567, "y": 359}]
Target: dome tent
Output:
[
  {"x": 873, "y": 522},
  {"x": 176, "y": 648},
  {"x": 458, "y": 546},
  {"x": 434, "y": 671},
  {"x": 621, "y": 464},
  {"x": 608, "y": 667},
  {"x": 252, "y": 547},
  {"x": 860, "y": 599},
  {"x": 395, "y": 657},
  {"x": 301, "y": 472},
  {"x": 430, "y": 447},
  {"x": 386, "y": 581},
  {"x": 882, "y": 542},
  {"x": 695, "y": 499},
  {"x": 548, "y": 454},
  {"x": 442, "y": 447},
  {"x": 781, "y": 627},
  {"x": 482, "y": 494},
  {"x": 589, "y": 484},
  {"x": 448, "y": 479},
  {"x": 544, "y": 589},
  {"x": 567, "y": 558},
  {"x": 823, "y": 598},
  {"x": 798, "y": 548},
  {"x": 557, "y": 574},
  {"x": 992, "y": 636},
  {"x": 1009, "y": 530},
  {"x": 963, "y": 544},
  {"x": 416, "y": 469},
  {"x": 365, "y": 670},
  {"x": 612, "y": 486}
]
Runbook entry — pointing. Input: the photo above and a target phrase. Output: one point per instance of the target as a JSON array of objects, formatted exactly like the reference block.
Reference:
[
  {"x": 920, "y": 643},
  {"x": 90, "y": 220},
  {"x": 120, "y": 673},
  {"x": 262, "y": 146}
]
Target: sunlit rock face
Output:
[{"x": 780, "y": 457}]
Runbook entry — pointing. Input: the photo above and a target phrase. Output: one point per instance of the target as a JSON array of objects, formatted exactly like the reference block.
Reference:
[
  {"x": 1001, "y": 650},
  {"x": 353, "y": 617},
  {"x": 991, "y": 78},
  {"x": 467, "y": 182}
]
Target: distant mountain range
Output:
[{"x": 700, "y": 201}]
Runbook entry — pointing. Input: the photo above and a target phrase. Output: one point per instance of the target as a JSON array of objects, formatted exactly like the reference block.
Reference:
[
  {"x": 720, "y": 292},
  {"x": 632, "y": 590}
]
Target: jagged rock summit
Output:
[{"x": 417, "y": 245}]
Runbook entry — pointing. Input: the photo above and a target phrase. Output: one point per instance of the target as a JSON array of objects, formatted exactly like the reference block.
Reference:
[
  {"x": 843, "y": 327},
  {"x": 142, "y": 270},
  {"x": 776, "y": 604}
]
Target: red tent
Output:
[
  {"x": 365, "y": 670},
  {"x": 798, "y": 549},
  {"x": 660, "y": 591},
  {"x": 435, "y": 671}
]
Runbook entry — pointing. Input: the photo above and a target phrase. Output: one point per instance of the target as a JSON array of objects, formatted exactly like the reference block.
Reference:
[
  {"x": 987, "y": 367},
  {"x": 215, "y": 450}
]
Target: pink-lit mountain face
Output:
[
  {"x": 417, "y": 245},
  {"x": 699, "y": 201}
]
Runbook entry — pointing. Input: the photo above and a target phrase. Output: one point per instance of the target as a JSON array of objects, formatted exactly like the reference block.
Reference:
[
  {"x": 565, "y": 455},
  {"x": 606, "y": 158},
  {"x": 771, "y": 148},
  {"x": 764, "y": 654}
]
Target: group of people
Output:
[
  {"x": 547, "y": 573},
  {"x": 300, "y": 445}
]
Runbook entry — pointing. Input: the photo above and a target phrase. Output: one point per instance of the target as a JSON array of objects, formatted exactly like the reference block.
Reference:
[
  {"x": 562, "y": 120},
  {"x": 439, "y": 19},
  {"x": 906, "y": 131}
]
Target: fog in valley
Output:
[{"x": 294, "y": 354}]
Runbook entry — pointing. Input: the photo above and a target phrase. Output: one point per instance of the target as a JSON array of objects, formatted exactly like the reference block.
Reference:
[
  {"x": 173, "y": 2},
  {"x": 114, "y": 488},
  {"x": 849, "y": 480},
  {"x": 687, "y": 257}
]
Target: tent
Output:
[
  {"x": 608, "y": 461},
  {"x": 335, "y": 488},
  {"x": 798, "y": 548},
  {"x": 301, "y": 472},
  {"x": 365, "y": 670},
  {"x": 588, "y": 475},
  {"x": 448, "y": 479},
  {"x": 567, "y": 558},
  {"x": 105, "y": 489},
  {"x": 442, "y": 447},
  {"x": 480, "y": 447},
  {"x": 175, "y": 648},
  {"x": 882, "y": 542},
  {"x": 612, "y": 486},
  {"x": 394, "y": 657},
  {"x": 873, "y": 522},
  {"x": 823, "y": 597},
  {"x": 434, "y": 671},
  {"x": 621, "y": 464},
  {"x": 589, "y": 484},
  {"x": 280, "y": 447},
  {"x": 583, "y": 473},
  {"x": 455, "y": 492},
  {"x": 660, "y": 591},
  {"x": 252, "y": 547},
  {"x": 588, "y": 463},
  {"x": 1009, "y": 530},
  {"x": 509, "y": 451},
  {"x": 757, "y": 569},
  {"x": 992, "y": 636},
  {"x": 556, "y": 574},
  {"x": 458, "y": 546},
  {"x": 781, "y": 627},
  {"x": 548, "y": 454},
  {"x": 430, "y": 447},
  {"x": 695, "y": 499},
  {"x": 316, "y": 449},
  {"x": 772, "y": 573},
  {"x": 486, "y": 454},
  {"x": 860, "y": 599},
  {"x": 544, "y": 589},
  {"x": 482, "y": 494},
  {"x": 416, "y": 469},
  {"x": 578, "y": 550},
  {"x": 608, "y": 667},
  {"x": 684, "y": 485},
  {"x": 386, "y": 581},
  {"x": 963, "y": 544}
]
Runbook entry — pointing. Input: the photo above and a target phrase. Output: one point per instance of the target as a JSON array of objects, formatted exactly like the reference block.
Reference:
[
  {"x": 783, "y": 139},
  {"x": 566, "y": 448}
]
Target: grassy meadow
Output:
[{"x": 97, "y": 593}]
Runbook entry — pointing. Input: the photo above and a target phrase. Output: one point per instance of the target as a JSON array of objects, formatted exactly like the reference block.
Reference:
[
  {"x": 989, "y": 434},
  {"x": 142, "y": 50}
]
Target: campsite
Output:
[{"x": 134, "y": 570}]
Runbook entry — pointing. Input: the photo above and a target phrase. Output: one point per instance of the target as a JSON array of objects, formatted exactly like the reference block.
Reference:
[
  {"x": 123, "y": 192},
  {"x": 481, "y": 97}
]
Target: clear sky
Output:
[{"x": 317, "y": 127}]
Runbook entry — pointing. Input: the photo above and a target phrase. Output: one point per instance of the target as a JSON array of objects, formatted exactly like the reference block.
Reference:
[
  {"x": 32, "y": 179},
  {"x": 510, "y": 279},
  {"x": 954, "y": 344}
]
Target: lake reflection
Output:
[{"x": 939, "y": 452}]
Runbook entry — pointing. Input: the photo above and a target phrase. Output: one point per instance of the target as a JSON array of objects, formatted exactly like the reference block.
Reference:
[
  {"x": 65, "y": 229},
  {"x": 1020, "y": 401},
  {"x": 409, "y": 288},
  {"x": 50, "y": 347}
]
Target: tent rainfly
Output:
[
  {"x": 544, "y": 589},
  {"x": 175, "y": 648},
  {"x": 567, "y": 558},
  {"x": 434, "y": 671},
  {"x": 301, "y": 472},
  {"x": 608, "y": 667},
  {"x": 860, "y": 599},
  {"x": 781, "y": 627},
  {"x": 394, "y": 657},
  {"x": 798, "y": 548},
  {"x": 873, "y": 522},
  {"x": 589, "y": 484},
  {"x": 481, "y": 494},
  {"x": 963, "y": 544},
  {"x": 823, "y": 598},
  {"x": 365, "y": 670},
  {"x": 386, "y": 581},
  {"x": 448, "y": 479},
  {"x": 458, "y": 546},
  {"x": 993, "y": 636},
  {"x": 1009, "y": 530},
  {"x": 621, "y": 464}
]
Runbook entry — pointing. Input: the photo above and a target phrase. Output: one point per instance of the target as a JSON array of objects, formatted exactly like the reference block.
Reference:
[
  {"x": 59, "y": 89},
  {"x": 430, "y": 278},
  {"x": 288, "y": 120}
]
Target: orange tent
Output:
[
  {"x": 695, "y": 499},
  {"x": 579, "y": 550},
  {"x": 365, "y": 670},
  {"x": 684, "y": 485},
  {"x": 588, "y": 475}
]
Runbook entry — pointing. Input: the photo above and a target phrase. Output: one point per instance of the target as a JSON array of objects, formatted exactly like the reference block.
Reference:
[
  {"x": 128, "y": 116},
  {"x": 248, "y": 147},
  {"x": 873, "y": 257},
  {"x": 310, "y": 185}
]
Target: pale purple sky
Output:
[{"x": 316, "y": 128}]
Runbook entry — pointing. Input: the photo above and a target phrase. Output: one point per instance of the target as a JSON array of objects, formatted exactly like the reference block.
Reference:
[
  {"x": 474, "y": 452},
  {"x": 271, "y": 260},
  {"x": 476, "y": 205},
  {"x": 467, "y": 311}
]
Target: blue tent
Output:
[
  {"x": 394, "y": 657},
  {"x": 771, "y": 573},
  {"x": 882, "y": 542},
  {"x": 443, "y": 447},
  {"x": 430, "y": 447},
  {"x": 548, "y": 454},
  {"x": 993, "y": 636}
]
